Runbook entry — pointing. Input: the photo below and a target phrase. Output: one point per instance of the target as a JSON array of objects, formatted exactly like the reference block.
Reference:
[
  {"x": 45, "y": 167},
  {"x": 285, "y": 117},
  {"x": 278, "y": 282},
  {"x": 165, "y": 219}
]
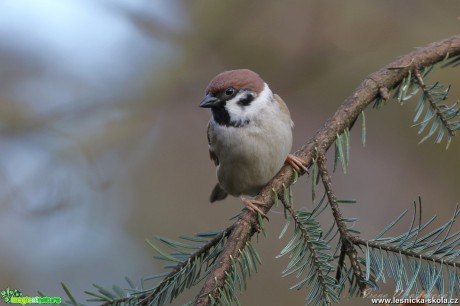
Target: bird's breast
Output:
[{"x": 250, "y": 156}]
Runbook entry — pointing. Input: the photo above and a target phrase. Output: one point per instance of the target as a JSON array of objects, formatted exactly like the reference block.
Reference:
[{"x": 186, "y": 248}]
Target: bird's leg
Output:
[
  {"x": 253, "y": 206},
  {"x": 297, "y": 163}
]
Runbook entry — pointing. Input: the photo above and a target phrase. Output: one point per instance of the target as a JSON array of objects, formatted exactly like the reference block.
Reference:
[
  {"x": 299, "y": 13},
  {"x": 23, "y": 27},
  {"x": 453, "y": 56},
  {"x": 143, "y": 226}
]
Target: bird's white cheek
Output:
[{"x": 235, "y": 111}]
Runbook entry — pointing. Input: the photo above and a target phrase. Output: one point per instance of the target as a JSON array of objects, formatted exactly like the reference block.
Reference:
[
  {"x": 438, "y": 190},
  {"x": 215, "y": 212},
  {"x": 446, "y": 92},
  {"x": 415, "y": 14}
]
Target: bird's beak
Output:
[{"x": 209, "y": 101}]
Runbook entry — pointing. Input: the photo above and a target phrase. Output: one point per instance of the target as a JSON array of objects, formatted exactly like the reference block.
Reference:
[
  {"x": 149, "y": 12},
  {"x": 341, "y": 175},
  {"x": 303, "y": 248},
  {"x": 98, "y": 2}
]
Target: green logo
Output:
[
  {"x": 14, "y": 296},
  {"x": 8, "y": 294}
]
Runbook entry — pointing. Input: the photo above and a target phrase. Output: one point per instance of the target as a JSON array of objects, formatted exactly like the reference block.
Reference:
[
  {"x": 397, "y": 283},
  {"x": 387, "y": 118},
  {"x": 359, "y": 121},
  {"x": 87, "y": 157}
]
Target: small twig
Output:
[
  {"x": 398, "y": 250},
  {"x": 429, "y": 97},
  {"x": 345, "y": 236}
]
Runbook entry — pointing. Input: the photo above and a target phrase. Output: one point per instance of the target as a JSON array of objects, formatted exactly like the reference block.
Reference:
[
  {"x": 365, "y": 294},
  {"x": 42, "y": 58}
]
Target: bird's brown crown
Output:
[{"x": 238, "y": 79}]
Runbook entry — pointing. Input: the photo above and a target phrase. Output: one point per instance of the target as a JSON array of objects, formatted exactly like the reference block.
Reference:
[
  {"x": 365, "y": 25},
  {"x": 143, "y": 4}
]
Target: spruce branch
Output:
[
  {"x": 442, "y": 112},
  {"x": 309, "y": 254},
  {"x": 431, "y": 99},
  {"x": 148, "y": 297},
  {"x": 245, "y": 226},
  {"x": 184, "y": 272},
  {"x": 415, "y": 261},
  {"x": 410, "y": 244}
]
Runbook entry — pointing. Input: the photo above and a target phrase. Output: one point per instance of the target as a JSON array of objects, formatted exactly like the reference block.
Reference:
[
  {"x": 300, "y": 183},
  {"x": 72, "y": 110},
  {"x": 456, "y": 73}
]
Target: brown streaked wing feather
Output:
[{"x": 212, "y": 155}]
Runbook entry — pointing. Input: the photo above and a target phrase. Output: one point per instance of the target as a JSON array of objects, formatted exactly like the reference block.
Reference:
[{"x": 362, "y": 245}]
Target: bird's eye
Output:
[{"x": 229, "y": 91}]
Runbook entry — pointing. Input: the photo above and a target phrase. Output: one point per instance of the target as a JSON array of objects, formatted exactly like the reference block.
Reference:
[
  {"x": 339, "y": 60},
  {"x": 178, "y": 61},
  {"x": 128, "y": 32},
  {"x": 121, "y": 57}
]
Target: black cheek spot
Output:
[{"x": 246, "y": 100}]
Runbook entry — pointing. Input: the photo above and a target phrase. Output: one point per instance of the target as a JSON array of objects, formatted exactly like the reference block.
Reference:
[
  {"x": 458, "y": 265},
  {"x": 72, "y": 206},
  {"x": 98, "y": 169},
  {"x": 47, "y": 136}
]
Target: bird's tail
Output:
[{"x": 217, "y": 194}]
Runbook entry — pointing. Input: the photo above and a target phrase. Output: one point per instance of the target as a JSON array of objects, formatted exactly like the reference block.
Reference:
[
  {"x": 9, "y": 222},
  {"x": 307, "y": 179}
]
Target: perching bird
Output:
[{"x": 249, "y": 135}]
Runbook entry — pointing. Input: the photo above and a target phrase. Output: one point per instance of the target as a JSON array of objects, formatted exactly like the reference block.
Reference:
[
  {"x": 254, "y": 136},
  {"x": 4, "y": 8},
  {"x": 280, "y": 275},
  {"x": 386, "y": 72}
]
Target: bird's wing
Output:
[
  {"x": 212, "y": 154},
  {"x": 284, "y": 108}
]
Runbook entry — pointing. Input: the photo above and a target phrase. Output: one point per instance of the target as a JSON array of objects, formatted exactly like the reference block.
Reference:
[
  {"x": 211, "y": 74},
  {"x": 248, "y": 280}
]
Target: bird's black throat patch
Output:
[
  {"x": 220, "y": 114},
  {"x": 222, "y": 117}
]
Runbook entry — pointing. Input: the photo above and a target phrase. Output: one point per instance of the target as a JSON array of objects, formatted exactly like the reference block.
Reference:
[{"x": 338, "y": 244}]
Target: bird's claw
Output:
[
  {"x": 297, "y": 163},
  {"x": 253, "y": 206}
]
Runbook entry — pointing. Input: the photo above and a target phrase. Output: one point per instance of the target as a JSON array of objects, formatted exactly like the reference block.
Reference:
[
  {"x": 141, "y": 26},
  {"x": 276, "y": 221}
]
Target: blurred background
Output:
[{"x": 103, "y": 145}]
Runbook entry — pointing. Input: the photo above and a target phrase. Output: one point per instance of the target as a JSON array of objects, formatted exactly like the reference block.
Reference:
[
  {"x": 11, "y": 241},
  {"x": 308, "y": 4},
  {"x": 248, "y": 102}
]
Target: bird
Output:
[{"x": 249, "y": 135}]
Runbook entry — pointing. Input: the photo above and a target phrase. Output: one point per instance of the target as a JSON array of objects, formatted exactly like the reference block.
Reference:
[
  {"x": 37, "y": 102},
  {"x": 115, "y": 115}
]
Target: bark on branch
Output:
[{"x": 377, "y": 83}]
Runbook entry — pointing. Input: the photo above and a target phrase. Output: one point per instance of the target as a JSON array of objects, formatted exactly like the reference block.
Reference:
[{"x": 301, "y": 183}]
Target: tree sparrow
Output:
[{"x": 249, "y": 135}]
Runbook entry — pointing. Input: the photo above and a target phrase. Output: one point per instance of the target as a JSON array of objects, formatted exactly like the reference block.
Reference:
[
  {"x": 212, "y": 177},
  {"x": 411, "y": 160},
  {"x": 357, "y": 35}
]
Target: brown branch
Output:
[
  {"x": 245, "y": 226},
  {"x": 378, "y": 82},
  {"x": 345, "y": 237}
]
